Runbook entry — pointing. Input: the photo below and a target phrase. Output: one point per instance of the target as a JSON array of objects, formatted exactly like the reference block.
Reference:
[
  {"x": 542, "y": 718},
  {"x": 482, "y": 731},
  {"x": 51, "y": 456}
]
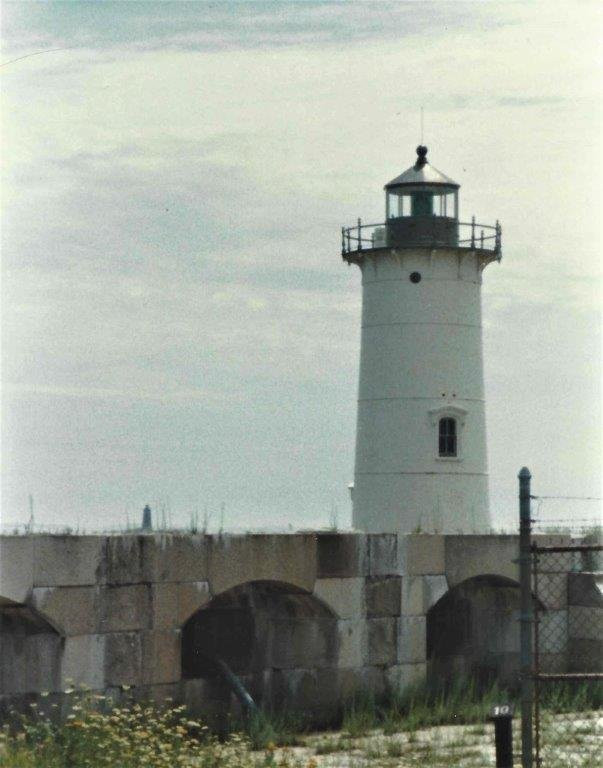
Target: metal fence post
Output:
[{"x": 527, "y": 617}]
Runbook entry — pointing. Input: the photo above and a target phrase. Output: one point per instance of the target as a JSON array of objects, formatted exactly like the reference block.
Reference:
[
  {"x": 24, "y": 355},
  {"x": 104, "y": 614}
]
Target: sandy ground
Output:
[{"x": 568, "y": 742}]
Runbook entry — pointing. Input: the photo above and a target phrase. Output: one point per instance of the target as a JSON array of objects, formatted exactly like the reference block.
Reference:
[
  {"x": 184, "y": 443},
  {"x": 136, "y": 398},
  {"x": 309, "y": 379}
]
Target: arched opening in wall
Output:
[
  {"x": 30, "y": 655},
  {"x": 275, "y": 637},
  {"x": 473, "y": 632}
]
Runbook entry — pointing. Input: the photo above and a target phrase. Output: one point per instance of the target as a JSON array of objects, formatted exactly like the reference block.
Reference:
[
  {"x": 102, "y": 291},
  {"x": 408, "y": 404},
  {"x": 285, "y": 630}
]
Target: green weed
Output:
[
  {"x": 361, "y": 716},
  {"x": 265, "y": 728}
]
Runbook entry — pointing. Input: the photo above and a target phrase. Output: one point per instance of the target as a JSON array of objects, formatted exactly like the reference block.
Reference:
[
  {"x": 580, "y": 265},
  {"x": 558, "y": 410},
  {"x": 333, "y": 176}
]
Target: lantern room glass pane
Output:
[
  {"x": 421, "y": 202},
  {"x": 418, "y": 202}
]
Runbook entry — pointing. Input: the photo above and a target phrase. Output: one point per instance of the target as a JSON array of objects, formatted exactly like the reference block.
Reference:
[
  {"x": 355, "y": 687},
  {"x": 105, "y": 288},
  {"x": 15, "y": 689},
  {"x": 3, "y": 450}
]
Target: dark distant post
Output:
[
  {"x": 502, "y": 715},
  {"x": 147, "y": 523}
]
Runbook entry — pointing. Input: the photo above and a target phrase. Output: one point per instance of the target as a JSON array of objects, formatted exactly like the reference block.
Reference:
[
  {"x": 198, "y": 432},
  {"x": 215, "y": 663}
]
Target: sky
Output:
[{"x": 178, "y": 327}]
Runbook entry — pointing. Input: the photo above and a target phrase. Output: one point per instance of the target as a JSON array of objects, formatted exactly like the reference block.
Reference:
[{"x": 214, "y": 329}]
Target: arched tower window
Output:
[
  {"x": 447, "y": 437},
  {"x": 448, "y": 423}
]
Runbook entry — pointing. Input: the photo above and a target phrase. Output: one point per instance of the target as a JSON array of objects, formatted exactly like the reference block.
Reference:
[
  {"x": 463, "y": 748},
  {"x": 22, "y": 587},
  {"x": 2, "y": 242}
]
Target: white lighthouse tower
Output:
[{"x": 421, "y": 462}]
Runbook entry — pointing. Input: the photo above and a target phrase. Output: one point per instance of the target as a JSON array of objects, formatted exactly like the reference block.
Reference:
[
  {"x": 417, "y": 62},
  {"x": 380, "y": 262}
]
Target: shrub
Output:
[{"x": 98, "y": 733}]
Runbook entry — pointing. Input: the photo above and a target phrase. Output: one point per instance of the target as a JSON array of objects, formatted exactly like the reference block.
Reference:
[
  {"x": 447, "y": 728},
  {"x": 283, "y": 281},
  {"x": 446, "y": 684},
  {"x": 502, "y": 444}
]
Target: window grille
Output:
[{"x": 447, "y": 437}]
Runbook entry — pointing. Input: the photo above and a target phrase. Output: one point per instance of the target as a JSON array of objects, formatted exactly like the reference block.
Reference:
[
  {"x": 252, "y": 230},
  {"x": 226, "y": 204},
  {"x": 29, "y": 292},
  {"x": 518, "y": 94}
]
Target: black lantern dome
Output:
[{"x": 421, "y": 174}]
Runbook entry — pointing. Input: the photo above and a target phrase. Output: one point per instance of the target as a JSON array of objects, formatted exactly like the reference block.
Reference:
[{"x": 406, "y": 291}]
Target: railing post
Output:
[
  {"x": 472, "y": 232},
  {"x": 481, "y": 239},
  {"x": 497, "y": 236},
  {"x": 343, "y": 241},
  {"x": 526, "y": 617},
  {"x": 349, "y": 247},
  {"x": 359, "y": 235}
]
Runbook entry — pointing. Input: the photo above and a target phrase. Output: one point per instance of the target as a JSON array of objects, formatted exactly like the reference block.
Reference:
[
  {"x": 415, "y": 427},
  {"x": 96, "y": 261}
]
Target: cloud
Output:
[
  {"x": 530, "y": 101},
  {"x": 146, "y": 251},
  {"x": 189, "y": 26}
]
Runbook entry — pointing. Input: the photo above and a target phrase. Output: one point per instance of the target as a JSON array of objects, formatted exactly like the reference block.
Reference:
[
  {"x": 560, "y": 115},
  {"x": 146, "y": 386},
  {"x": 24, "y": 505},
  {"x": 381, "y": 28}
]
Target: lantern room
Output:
[{"x": 421, "y": 207}]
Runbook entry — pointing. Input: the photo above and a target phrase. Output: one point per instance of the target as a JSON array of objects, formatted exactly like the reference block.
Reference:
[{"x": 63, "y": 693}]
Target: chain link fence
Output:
[
  {"x": 562, "y": 645},
  {"x": 568, "y": 662}
]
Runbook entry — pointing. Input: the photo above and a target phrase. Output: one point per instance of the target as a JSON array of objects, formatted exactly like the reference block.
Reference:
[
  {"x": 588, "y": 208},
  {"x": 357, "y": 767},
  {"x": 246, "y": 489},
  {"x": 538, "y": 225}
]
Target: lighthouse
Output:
[{"x": 421, "y": 459}]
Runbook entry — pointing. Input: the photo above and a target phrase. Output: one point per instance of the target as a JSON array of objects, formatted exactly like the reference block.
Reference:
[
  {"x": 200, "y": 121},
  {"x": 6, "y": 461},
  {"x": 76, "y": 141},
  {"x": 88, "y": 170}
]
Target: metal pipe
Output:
[
  {"x": 237, "y": 687},
  {"x": 526, "y": 617}
]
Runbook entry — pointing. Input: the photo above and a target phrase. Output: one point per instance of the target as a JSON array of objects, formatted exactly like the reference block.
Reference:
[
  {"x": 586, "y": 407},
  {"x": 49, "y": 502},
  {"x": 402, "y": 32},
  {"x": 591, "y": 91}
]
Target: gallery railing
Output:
[{"x": 428, "y": 231}]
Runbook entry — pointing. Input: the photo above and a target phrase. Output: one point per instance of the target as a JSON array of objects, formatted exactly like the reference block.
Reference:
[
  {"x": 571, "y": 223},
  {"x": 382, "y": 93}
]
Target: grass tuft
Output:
[
  {"x": 265, "y": 729},
  {"x": 360, "y": 716}
]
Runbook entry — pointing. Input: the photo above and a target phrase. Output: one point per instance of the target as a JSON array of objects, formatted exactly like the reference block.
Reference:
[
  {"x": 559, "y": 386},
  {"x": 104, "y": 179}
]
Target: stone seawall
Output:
[{"x": 305, "y": 619}]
